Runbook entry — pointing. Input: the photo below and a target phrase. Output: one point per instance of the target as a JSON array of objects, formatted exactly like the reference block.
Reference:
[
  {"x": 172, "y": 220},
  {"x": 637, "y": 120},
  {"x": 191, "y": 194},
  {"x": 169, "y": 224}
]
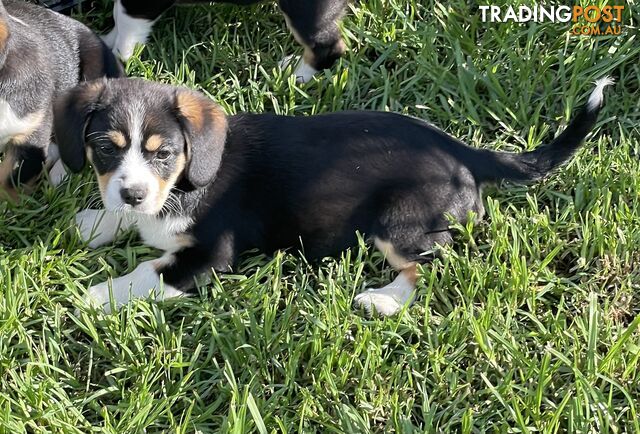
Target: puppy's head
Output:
[{"x": 142, "y": 138}]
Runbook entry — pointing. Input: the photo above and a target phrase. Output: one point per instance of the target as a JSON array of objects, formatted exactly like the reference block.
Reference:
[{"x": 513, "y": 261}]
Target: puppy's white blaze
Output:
[
  {"x": 142, "y": 282},
  {"x": 389, "y": 299},
  {"x": 128, "y": 32},
  {"x": 12, "y": 125},
  {"x": 133, "y": 169},
  {"x": 596, "y": 97},
  {"x": 136, "y": 115}
]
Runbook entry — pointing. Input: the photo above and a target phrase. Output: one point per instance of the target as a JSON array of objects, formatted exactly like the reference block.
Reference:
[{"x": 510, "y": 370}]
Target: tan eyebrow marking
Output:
[
  {"x": 153, "y": 142},
  {"x": 117, "y": 138}
]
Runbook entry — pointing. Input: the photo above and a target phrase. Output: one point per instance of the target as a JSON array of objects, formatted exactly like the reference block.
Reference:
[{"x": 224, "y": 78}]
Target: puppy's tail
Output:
[{"x": 534, "y": 165}]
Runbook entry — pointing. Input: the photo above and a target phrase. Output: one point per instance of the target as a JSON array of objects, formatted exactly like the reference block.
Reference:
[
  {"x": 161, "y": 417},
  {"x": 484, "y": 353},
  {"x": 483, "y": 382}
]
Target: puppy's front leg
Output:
[
  {"x": 178, "y": 270},
  {"x": 98, "y": 226},
  {"x": 133, "y": 22},
  {"x": 57, "y": 171},
  {"x": 140, "y": 283}
]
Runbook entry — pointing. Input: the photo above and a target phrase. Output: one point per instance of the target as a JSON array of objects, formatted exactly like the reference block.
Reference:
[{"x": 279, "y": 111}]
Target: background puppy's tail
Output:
[{"x": 531, "y": 166}]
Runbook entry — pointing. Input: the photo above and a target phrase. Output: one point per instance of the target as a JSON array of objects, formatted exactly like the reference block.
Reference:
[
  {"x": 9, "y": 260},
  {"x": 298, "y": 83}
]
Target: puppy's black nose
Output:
[{"x": 133, "y": 195}]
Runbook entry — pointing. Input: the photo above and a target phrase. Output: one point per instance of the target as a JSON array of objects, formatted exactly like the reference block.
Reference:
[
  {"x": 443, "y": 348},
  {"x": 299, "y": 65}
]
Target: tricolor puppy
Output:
[
  {"x": 41, "y": 54},
  {"x": 204, "y": 187},
  {"x": 313, "y": 23}
]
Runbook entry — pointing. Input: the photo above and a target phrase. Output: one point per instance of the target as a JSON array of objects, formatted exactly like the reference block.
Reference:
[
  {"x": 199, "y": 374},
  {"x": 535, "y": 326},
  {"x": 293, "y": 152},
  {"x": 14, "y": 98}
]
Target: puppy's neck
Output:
[{"x": 182, "y": 202}]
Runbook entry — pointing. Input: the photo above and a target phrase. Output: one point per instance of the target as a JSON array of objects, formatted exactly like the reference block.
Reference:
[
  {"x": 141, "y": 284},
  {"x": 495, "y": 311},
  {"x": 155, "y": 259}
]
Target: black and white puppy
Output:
[
  {"x": 204, "y": 187},
  {"x": 41, "y": 54},
  {"x": 313, "y": 23}
]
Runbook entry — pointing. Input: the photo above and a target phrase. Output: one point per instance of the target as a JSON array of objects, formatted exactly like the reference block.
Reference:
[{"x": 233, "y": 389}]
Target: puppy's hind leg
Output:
[{"x": 392, "y": 298}]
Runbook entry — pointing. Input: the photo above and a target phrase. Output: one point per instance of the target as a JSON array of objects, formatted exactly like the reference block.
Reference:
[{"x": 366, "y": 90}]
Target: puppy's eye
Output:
[
  {"x": 106, "y": 149},
  {"x": 163, "y": 154}
]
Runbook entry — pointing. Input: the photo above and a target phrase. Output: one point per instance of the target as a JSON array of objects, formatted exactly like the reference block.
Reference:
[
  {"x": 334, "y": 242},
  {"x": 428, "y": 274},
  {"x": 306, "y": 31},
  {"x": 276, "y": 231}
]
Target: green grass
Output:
[{"x": 529, "y": 323}]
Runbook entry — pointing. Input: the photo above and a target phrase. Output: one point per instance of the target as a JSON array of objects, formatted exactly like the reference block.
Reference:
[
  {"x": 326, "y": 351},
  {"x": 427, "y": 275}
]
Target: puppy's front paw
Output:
[
  {"x": 87, "y": 222},
  {"x": 57, "y": 174},
  {"x": 377, "y": 300},
  {"x": 142, "y": 282},
  {"x": 98, "y": 296},
  {"x": 303, "y": 71},
  {"x": 98, "y": 227}
]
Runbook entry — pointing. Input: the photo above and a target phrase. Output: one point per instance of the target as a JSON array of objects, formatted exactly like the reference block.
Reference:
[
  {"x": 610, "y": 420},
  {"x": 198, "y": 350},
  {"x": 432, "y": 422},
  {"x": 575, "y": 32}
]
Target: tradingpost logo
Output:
[{"x": 587, "y": 21}]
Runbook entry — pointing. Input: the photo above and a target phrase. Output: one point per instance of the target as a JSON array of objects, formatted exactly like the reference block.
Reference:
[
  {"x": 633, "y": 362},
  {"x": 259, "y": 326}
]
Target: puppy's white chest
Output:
[
  {"x": 163, "y": 233},
  {"x": 12, "y": 125}
]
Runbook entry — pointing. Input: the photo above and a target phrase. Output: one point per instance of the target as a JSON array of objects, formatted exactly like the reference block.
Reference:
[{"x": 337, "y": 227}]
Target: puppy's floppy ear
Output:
[
  {"x": 204, "y": 125},
  {"x": 71, "y": 115},
  {"x": 4, "y": 33}
]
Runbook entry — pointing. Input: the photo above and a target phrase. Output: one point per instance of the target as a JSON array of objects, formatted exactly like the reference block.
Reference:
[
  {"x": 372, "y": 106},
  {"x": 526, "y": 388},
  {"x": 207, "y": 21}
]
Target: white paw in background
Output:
[
  {"x": 98, "y": 226},
  {"x": 57, "y": 174},
  {"x": 303, "y": 71}
]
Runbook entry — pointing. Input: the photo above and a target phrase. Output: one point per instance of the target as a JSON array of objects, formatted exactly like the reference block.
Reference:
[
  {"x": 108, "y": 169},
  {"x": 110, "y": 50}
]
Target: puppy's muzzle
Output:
[{"x": 134, "y": 195}]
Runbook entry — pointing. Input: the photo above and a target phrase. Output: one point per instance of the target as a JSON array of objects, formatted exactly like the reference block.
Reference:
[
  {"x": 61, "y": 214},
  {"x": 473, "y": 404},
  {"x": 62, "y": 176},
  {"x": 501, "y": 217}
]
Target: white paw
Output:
[
  {"x": 374, "y": 300},
  {"x": 98, "y": 296},
  {"x": 57, "y": 174},
  {"x": 97, "y": 227},
  {"x": 303, "y": 71},
  {"x": 143, "y": 282}
]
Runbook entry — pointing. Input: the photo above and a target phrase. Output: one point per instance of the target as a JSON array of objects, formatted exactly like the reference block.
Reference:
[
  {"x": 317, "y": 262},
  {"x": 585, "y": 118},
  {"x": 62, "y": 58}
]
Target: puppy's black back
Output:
[{"x": 335, "y": 174}]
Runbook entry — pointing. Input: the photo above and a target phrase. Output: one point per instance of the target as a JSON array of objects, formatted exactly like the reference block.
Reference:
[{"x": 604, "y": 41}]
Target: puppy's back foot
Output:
[{"x": 390, "y": 299}]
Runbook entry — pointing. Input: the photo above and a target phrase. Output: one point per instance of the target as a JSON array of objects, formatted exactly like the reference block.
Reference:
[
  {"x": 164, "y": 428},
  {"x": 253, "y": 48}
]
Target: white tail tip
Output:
[{"x": 596, "y": 97}]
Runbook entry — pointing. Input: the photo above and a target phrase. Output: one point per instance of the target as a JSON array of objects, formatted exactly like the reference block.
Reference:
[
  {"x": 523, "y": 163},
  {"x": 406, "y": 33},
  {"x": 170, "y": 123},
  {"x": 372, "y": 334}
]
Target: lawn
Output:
[{"x": 530, "y": 322}]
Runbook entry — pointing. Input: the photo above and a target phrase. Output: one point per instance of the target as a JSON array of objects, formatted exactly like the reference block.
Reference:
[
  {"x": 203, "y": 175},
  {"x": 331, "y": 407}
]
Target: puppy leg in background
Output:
[
  {"x": 98, "y": 226},
  {"x": 140, "y": 283},
  {"x": 314, "y": 24},
  {"x": 57, "y": 171},
  {"x": 21, "y": 165},
  {"x": 134, "y": 20}
]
